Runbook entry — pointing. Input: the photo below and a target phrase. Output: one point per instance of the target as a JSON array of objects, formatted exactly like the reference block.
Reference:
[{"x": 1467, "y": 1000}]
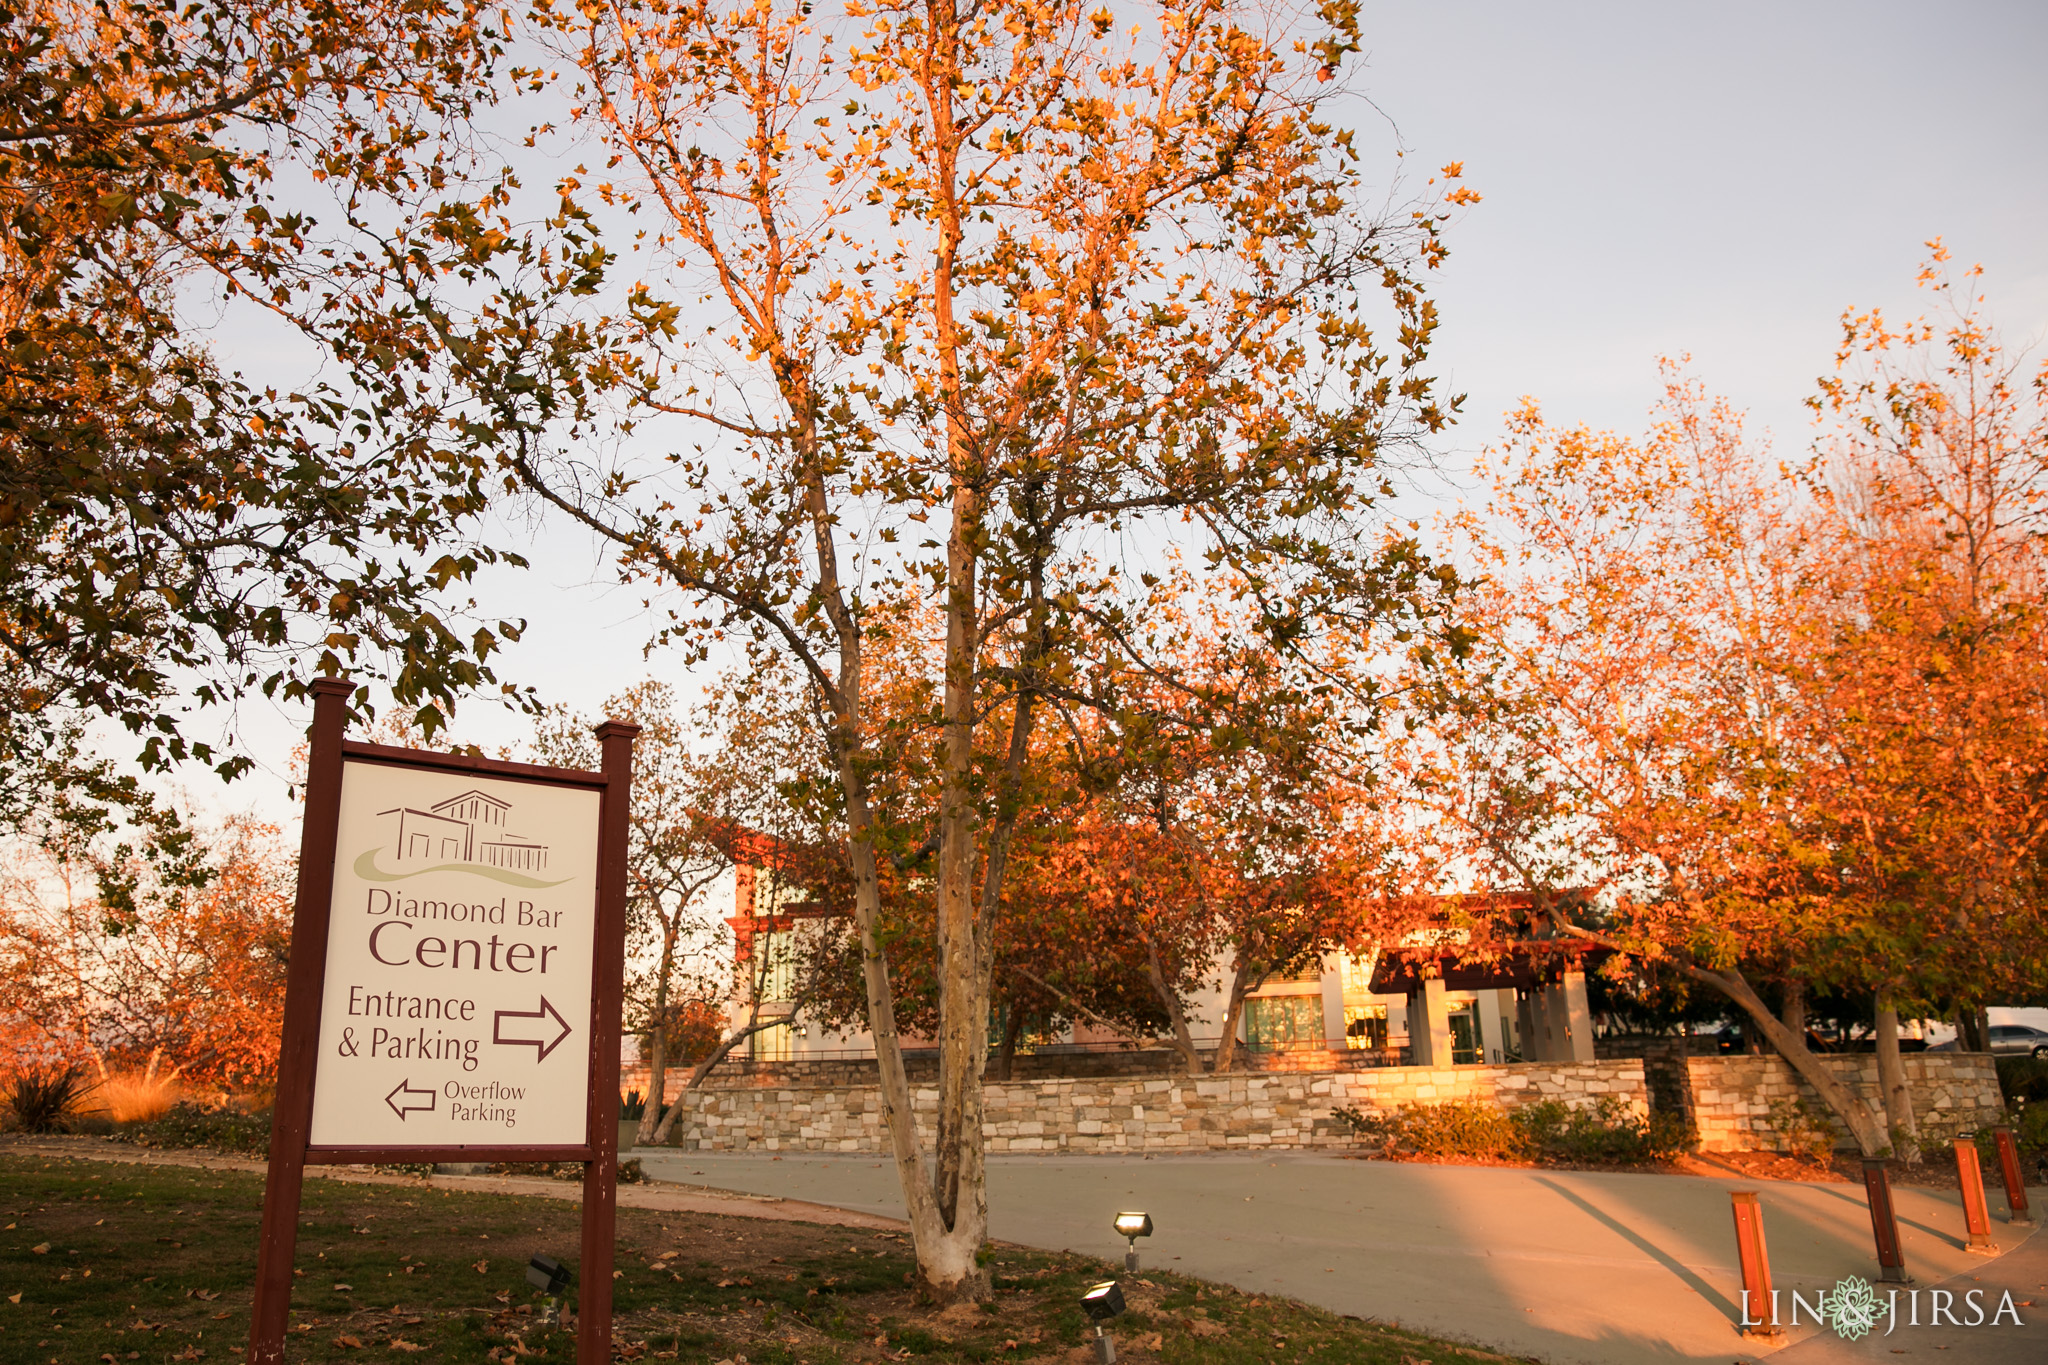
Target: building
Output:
[
  {"x": 469, "y": 828},
  {"x": 1426, "y": 1001}
]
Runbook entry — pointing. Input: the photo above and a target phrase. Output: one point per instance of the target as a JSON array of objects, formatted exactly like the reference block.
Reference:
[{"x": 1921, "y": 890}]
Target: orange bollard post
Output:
[
  {"x": 1757, "y": 1317},
  {"x": 2015, "y": 1183},
  {"x": 1976, "y": 1214},
  {"x": 1884, "y": 1223}
]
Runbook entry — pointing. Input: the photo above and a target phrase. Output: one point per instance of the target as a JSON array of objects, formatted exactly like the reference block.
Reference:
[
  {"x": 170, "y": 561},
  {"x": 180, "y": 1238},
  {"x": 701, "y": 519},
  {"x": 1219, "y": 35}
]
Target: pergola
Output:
[{"x": 1547, "y": 975}]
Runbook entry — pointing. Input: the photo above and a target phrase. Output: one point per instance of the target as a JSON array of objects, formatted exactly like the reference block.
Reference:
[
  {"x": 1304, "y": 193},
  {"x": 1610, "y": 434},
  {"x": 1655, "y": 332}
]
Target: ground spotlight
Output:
[
  {"x": 551, "y": 1278},
  {"x": 1101, "y": 1303},
  {"x": 1133, "y": 1226}
]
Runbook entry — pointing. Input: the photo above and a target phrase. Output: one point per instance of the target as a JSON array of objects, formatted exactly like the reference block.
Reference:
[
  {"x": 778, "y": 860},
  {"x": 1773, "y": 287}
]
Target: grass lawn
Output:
[{"x": 105, "y": 1262}]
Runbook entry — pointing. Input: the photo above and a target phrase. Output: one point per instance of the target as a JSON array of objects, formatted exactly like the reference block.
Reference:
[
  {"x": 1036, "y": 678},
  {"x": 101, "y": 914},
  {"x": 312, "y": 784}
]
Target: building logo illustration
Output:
[{"x": 465, "y": 833}]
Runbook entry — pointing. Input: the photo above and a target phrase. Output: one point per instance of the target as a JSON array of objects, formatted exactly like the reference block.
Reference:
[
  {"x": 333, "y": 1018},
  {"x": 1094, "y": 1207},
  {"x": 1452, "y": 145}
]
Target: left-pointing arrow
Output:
[{"x": 406, "y": 1100}]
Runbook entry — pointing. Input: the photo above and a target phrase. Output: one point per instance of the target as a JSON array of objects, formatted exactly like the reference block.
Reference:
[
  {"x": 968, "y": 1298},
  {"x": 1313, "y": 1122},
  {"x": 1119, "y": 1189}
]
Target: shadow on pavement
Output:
[
  {"x": 1721, "y": 1302},
  {"x": 1861, "y": 1203}
]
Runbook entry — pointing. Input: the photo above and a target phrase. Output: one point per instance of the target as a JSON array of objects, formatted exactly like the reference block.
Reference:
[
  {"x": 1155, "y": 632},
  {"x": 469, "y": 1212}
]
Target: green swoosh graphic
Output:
[{"x": 366, "y": 868}]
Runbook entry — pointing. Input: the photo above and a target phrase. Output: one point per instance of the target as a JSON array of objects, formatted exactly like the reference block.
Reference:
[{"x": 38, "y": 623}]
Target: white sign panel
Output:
[{"x": 456, "y": 1008}]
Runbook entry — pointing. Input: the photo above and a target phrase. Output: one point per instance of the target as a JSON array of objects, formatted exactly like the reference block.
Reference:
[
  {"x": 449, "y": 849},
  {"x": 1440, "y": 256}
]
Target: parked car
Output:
[
  {"x": 1732, "y": 1039},
  {"x": 2019, "y": 1039}
]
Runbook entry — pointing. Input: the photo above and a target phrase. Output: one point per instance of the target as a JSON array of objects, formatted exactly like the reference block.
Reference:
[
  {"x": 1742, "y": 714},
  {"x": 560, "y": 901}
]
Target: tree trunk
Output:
[
  {"x": 756, "y": 1023},
  {"x": 1794, "y": 1012},
  {"x": 1863, "y": 1124},
  {"x": 1891, "y": 1084},
  {"x": 1183, "y": 1040},
  {"x": 1973, "y": 1028},
  {"x": 949, "y": 1263},
  {"x": 1006, "y": 1057},
  {"x": 1854, "y": 1114},
  {"x": 657, "y": 1088},
  {"x": 1240, "y": 987},
  {"x": 657, "y": 1065}
]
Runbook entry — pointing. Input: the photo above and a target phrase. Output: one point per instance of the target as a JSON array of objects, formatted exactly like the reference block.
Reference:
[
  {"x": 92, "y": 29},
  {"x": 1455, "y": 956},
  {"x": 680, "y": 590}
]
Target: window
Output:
[
  {"x": 777, "y": 965},
  {"x": 772, "y": 1044},
  {"x": 1280, "y": 1022},
  {"x": 1365, "y": 1026},
  {"x": 1357, "y": 972},
  {"x": 1467, "y": 1042}
]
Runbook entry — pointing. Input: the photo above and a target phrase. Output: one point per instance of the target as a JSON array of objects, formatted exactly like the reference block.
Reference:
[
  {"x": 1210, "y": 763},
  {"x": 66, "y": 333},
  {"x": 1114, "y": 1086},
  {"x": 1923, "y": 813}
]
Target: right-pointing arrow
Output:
[
  {"x": 403, "y": 1100},
  {"x": 543, "y": 1045}
]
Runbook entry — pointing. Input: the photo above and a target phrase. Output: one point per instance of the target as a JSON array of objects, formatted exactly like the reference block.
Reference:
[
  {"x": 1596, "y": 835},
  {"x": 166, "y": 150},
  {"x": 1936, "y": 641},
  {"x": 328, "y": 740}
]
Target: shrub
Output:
[
  {"x": 1803, "y": 1131},
  {"x": 47, "y": 1099},
  {"x": 138, "y": 1097},
  {"x": 222, "y": 1128},
  {"x": 1609, "y": 1133},
  {"x": 2030, "y": 1124},
  {"x": 1606, "y": 1134},
  {"x": 2023, "y": 1080},
  {"x": 1459, "y": 1128}
]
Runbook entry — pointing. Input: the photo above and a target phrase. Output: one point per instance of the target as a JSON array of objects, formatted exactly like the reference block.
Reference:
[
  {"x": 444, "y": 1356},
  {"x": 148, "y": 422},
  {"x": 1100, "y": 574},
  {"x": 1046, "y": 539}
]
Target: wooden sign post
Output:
[{"x": 457, "y": 965}]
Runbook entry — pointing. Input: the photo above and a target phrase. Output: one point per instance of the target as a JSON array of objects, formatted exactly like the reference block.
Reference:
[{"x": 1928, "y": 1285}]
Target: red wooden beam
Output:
[
  {"x": 2015, "y": 1183},
  {"x": 1758, "y": 1319},
  {"x": 1976, "y": 1214},
  {"x": 1884, "y": 1222},
  {"x": 291, "y": 1116},
  {"x": 607, "y": 991}
]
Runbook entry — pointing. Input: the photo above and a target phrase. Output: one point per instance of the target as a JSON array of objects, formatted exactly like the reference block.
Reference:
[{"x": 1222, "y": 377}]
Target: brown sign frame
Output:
[{"x": 305, "y": 982}]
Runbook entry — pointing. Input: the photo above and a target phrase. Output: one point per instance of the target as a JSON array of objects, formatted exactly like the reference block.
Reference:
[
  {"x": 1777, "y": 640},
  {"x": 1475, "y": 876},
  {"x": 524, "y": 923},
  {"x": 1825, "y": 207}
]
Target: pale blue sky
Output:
[{"x": 1716, "y": 179}]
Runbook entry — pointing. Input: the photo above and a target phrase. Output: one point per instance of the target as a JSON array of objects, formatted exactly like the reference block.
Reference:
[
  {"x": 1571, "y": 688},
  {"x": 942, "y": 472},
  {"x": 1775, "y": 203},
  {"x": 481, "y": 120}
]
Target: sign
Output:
[
  {"x": 456, "y": 1005},
  {"x": 457, "y": 971}
]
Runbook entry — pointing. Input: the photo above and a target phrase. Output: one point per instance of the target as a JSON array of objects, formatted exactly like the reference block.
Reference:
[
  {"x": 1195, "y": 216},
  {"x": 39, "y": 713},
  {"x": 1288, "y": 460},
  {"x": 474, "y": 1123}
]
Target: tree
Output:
[
  {"x": 707, "y": 799},
  {"x": 1232, "y": 834},
  {"x": 1784, "y": 724},
  {"x": 996, "y": 297},
  {"x": 1927, "y": 657},
  {"x": 187, "y": 972},
  {"x": 169, "y": 532},
  {"x": 1624, "y": 741}
]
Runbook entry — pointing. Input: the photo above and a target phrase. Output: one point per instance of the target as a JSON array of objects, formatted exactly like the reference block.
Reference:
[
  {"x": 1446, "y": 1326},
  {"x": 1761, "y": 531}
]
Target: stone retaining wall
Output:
[
  {"x": 1734, "y": 1095},
  {"x": 1160, "y": 1114},
  {"x": 840, "y": 1072}
]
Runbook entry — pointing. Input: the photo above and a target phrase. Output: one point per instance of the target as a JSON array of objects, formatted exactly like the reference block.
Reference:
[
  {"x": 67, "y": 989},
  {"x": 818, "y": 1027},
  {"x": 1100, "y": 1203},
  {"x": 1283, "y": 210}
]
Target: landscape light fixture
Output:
[
  {"x": 1133, "y": 1226},
  {"x": 551, "y": 1278},
  {"x": 1101, "y": 1303}
]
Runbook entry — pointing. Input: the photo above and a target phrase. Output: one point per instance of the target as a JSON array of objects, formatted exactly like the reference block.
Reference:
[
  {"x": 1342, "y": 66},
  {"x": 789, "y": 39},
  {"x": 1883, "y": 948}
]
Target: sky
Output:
[{"x": 1715, "y": 180}]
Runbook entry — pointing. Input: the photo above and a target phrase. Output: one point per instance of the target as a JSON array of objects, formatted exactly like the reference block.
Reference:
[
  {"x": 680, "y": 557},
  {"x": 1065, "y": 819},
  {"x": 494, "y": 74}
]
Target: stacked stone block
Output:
[
  {"x": 1236, "y": 1112},
  {"x": 1734, "y": 1096}
]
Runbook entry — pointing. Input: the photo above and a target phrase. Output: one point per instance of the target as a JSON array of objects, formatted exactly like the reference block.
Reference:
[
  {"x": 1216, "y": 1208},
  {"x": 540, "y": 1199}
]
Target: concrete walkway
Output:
[{"x": 1566, "y": 1267}]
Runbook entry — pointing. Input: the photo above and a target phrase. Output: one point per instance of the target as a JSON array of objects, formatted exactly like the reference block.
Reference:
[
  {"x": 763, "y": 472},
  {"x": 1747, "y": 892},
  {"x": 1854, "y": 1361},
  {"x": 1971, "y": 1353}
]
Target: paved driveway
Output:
[{"x": 1568, "y": 1267}]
